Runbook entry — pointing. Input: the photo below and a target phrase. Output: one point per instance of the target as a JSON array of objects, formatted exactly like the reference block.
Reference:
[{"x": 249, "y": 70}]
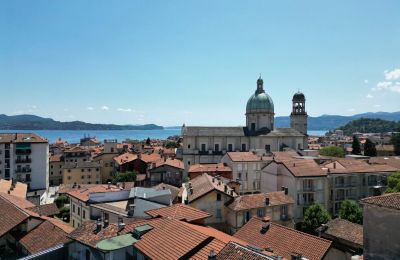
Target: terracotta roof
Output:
[
  {"x": 44, "y": 236},
  {"x": 10, "y": 215},
  {"x": 45, "y": 210},
  {"x": 303, "y": 168},
  {"x": 393, "y": 161},
  {"x": 204, "y": 184},
  {"x": 283, "y": 241},
  {"x": 390, "y": 200},
  {"x": 171, "y": 162},
  {"x": 356, "y": 166},
  {"x": 19, "y": 202},
  {"x": 124, "y": 158},
  {"x": 21, "y": 138},
  {"x": 179, "y": 212},
  {"x": 344, "y": 229},
  {"x": 56, "y": 158},
  {"x": 83, "y": 193},
  {"x": 209, "y": 167},
  {"x": 215, "y": 245},
  {"x": 288, "y": 155},
  {"x": 253, "y": 201},
  {"x": 76, "y": 149},
  {"x": 19, "y": 190},
  {"x": 234, "y": 251},
  {"x": 246, "y": 157},
  {"x": 150, "y": 158}
]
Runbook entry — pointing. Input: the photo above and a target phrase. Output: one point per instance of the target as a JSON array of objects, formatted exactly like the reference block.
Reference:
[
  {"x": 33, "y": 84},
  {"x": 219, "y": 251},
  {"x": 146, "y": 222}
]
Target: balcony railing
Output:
[
  {"x": 217, "y": 152},
  {"x": 22, "y": 170},
  {"x": 23, "y": 152},
  {"x": 203, "y": 152},
  {"x": 26, "y": 160}
]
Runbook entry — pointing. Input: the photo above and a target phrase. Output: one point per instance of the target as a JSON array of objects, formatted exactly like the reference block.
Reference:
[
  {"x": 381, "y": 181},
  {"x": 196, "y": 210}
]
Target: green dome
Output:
[{"x": 260, "y": 102}]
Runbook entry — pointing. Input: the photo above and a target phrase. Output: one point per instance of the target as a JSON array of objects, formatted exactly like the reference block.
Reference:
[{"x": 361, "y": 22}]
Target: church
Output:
[{"x": 209, "y": 144}]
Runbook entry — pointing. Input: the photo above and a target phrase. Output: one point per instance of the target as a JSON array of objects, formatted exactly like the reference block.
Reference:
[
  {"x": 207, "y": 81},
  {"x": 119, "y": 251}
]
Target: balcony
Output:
[
  {"x": 26, "y": 160},
  {"x": 202, "y": 152},
  {"x": 23, "y": 170},
  {"x": 23, "y": 151},
  {"x": 217, "y": 152}
]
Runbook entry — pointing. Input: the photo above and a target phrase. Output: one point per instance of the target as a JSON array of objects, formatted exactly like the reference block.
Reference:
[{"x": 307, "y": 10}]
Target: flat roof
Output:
[{"x": 115, "y": 243}]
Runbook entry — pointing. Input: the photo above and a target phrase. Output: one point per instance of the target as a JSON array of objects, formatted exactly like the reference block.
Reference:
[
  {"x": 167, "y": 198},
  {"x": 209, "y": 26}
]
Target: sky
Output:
[{"x": 196, "y": 62}]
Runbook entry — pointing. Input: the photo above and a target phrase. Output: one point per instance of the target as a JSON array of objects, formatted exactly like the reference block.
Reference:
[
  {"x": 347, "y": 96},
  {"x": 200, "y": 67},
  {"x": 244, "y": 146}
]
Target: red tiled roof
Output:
[
  {"x": 44, "y": 236},
  {"x": 150, "y": 158},
  {"x": 283, "y": 241},
  {"x": 83, "y": 193},
  {"x": 124, "y": 158},
  {"x": 393, "y": 161},
  {"x": 390, "y": 200},
  {"x": 253, "y": 201},
  {"x": 56, "y": 158},
  {"x": 179, "y": 212},
  {"x": 209, "y": 167},
  {"x": 356, "y": 166},
  {"x": 303, "y": 168},
  {"x": 10, "y": 215},
  {"x": 19, "y": 190},
  {"x": 171, "y": 162},
  {"x": 19, "y": 202},
  {"x": 45, "y": 210},
  {"x": 204, "y": 184},
  {"x": 233, "y": 251},
  {"x": 344, "y": 229},
  {"x": 21, "y": 138},
  {"x": 246, "y": 157},
  {"x": 215, "y": 245}
]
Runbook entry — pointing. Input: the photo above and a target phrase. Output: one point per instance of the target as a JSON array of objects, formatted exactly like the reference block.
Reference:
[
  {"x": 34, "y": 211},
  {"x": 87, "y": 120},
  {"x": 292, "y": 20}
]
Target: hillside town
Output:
[{"x": 248, "y": 192}]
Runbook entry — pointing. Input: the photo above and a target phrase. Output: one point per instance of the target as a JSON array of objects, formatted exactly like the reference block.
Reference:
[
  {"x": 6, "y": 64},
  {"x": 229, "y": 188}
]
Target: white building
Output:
[
  {"x": 25, "y": 158},
  {"x": 209, "y": 144}
]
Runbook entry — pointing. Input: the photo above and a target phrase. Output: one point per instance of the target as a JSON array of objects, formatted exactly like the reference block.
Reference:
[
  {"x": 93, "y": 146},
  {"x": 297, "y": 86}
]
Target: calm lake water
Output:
[{"x": 73, "y": 136}]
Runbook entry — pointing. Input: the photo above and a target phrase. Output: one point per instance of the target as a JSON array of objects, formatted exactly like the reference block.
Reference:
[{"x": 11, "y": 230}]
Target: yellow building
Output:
[
  {"x": 82, "y": 173},
  {"x": 56, "y": 164}
]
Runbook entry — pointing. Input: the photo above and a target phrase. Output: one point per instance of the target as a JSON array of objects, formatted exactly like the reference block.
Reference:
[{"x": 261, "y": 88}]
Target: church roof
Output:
[
  {"x": 260, "y": 102},
  {"x": 236, "y": 131}
]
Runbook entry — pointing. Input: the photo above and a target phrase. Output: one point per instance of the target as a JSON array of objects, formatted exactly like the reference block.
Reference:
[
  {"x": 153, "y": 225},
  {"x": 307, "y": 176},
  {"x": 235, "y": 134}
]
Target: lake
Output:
[{"x": 74, "y": 136}]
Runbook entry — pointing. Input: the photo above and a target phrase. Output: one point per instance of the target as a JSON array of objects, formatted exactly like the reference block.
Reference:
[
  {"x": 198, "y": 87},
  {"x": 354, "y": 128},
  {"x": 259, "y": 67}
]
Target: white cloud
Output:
[
  {"x": 125, "y": 110},
  {"x": 370, "y": 96},
  {"x": 392, "y": 74},
  {"x": 387, "y": 86},
  {"x": 105, "y": 108},
  {"x": 366, "y": 81},
  {"x": 377, "y": 105},
  {"x": 89, "y": 108}
]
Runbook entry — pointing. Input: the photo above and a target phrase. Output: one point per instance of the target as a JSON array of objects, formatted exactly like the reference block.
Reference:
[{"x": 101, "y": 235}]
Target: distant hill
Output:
[
  {"x": 331, "y": 122},
  {"x": 32, "y": 122},
  {"x": 370, "y": 125}
]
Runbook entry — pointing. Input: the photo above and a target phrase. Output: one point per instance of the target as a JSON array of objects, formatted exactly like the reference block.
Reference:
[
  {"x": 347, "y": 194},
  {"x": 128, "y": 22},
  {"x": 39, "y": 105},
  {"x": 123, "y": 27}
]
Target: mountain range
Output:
[
  {"x": 331, "y": 122},
  {"x": 32, "y": 122}
]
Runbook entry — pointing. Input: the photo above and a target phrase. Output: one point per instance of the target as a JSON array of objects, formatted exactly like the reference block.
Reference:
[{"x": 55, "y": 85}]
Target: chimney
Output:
[
  {"x": 98, "y": 225},
  {"x": 105, "y": 223},
  {"x": 212, "y": 255},
  {"x": 265, "y": 226},
  {"x": 286, "y": 190},
  {"x": 131, "y": 210},
  {"x": 121, "y": 226},
  {"x": 267, "y": 201}
]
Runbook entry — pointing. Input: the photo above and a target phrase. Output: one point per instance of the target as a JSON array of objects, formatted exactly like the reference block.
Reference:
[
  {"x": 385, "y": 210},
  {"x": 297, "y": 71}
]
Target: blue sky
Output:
[{"x": 169, "y": 62}]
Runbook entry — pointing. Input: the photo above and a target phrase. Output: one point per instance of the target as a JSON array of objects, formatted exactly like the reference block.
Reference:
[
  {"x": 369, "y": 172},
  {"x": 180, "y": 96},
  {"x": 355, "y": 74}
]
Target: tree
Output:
[
  {"x": 394, "y": 183},
  {"x": 356, "y": 146},
  {"x": 350, "y": 211},
  {"x": 148, "y": 141},
  {"x": 334, "y": 151},
  {"x": 369, "y": 148},
  {"x": 64, "y": 214},
  {"x": 171, "y": 144},
  {"x": 314, "y": 217},
  {"x": 125, "y": 177},
  {"x": 395, "y": 140},
  {"x": 61, "y": 200}
]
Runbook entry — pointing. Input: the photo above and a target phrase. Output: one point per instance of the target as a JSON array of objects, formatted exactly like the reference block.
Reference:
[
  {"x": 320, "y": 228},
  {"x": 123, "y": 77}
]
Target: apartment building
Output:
[
  {"x": 351, "y": 179},
  {"x": 106, "y": 159},
  {"x": 56, "y": 164},
  {"x": 246, "y": 169},
  {"x": 82, "y": 173},
  {"x": 25, "y": 158},
  {"x": 76, "y": 154}
]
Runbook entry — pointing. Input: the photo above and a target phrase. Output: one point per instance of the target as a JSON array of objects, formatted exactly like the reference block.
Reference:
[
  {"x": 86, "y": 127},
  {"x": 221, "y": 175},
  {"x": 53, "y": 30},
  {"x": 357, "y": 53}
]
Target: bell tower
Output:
[{"x": 298, "y": 117}]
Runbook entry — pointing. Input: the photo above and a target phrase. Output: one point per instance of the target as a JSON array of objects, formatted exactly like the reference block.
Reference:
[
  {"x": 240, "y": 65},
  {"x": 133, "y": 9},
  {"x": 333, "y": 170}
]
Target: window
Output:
[
  {"x": 253, "y": 126},
  {"x": 261, "y": 212},
  {"x": 247, "y": 216},
  {"x": 218, "y": 196},
  {"x": 97, "y": 169},
  {"x": 268, "y": 148},
  {"x": 230, "y": 147},
  {"x": 239, "y": 175},
  {"x": 82, "y": 177},
  {"x": 83, "y": 213},
  {"x": 188, "y": 146},
  {"x": 112, "y": 149},
  {"x": 79, "y": 211},
  {"x": 243, "y": 147},
  {"x": 203, "y": 147},
  {"x": 69, "y": 178},
  {"x": 284, "y": 210},
  {"x": 73, "y": 222},
  {"x": 87, "y": 254},
  {"x": 188, "y": 162},
  {"x": 216, "y": 147},
  {"x": 219, "y": 215},
  {"x": 51, "y": 166},
  {"x": 239, "y": 166},
  {"x": 73, "y": 208}
]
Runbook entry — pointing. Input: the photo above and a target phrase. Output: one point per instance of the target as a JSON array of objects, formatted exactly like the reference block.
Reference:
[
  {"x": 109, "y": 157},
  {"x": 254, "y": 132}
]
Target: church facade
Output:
[{"x": 209, "y": 144}]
